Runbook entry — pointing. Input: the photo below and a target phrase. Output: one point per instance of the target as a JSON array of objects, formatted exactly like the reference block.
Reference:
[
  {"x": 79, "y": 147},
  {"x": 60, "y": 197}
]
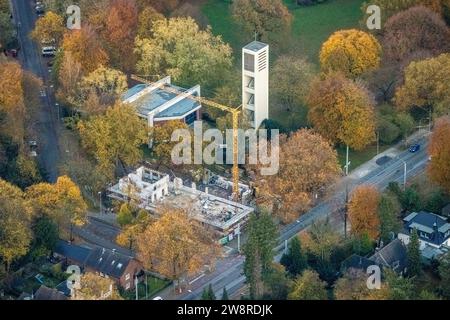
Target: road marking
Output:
[{"x": 198, "y": 278}]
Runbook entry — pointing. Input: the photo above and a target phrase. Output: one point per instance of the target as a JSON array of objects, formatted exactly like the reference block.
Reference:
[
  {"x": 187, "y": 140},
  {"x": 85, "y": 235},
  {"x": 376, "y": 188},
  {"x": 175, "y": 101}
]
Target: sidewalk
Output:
[{"x": 392, "y": 152}]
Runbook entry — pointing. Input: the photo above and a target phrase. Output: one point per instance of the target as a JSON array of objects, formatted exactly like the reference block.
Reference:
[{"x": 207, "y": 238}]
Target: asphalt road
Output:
[
  {"x": 31, "y": 60},
  {"x": 232, "y": 277}
]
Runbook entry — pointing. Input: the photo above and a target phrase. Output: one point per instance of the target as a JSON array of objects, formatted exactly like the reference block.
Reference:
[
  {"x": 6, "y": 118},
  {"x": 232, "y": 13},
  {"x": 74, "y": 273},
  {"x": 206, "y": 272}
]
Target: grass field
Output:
[
  {"x": 357, "y": 158},
  {"x": 311, "y": 26},
  {"x": 155, "y": 285}
]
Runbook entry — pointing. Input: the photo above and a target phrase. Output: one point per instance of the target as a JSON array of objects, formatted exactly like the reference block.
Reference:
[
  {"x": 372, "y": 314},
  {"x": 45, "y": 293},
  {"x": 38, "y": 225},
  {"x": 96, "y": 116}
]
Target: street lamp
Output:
[
  {"x": 100, "y": 198},
  {"x": 404, "y": 175}
]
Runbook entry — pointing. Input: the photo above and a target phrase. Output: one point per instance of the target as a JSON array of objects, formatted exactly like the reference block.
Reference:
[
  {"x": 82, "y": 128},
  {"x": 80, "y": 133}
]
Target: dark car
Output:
[{"x": 414, "y": 148}]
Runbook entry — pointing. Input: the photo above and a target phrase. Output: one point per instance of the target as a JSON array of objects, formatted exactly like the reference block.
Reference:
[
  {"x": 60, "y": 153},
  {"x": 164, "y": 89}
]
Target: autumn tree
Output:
[
  {"x": 289, "y": 82},
  {"x": 69, "y": 74},
  {"x": 15, "y": 220},
  {"x": 308, "y": 157},
  {"x": 48, "y": 28},
  {"x": 163, "y": 6},
  {"x": 85, "y": 47},
  {"x": 12, "y": 107},
  {"x": 426, "y": 85},
  {"x": 439, "y": 150},
  {"x": 11, "y": 90},
  {"x": 308, "y": 286},
  {"x": 105, "y": 84},
  {"x": 321, "y": 240},
  {"x": 262, "y": 16},
  {"x": 114, "y": 139},
  {"x": 121, "y": 29},
  {"x": 258, "y": 251},
  {"x": 62, "y": 202},
  {"x": 133, "y": 223},
  {"x": 176, "y": 245},
  {"x": 146, "y": 19},
  {"x": 416, "y": 29},
  {"x": 179, "y": 48},
  {"x": 342, "y": 111},
  {"x": 162, "y": 144},
  {"x": 96, "y": 287},
  {"x": 353, "y": 286},
  {"x": 391, "y": 7},
  {"x": 352, "y": 52},
  {"x": 363, "y": 211}
]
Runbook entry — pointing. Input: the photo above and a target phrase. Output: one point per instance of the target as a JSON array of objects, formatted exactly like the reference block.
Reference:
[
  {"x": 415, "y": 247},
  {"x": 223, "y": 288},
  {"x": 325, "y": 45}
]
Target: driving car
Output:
[{"x": 414, "y": 148}]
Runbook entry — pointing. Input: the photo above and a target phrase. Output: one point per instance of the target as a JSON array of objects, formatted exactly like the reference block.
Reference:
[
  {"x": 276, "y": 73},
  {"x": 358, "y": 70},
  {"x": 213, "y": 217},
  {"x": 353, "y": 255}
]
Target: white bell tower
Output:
[{"x": 255, "y": 82}]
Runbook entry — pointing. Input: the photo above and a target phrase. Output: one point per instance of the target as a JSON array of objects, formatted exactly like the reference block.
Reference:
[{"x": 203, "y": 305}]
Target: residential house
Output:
[
  {"x": 393, "y": 256},
  {"x": 107, "y": 263},
  {"x": 45, "y": 293},
  {"x": 433, "y": 231}
]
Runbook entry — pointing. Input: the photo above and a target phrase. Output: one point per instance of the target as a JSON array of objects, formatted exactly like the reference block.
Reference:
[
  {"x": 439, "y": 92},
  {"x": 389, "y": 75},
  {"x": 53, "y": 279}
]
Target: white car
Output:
[
  {"x": 49, "y": 51},
  {"x": 157, "y": 298}
]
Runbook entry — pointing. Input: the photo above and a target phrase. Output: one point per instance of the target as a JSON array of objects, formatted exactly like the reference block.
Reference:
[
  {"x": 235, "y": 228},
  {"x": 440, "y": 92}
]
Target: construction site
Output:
[{"x": 211, "y": 207}]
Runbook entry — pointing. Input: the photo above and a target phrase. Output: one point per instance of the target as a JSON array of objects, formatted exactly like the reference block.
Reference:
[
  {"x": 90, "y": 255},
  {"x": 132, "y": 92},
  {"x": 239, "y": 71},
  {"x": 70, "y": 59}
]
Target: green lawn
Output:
[
  {"x": 154, "y": 286},
  {"x": 357, "y": 158},
  {"x": 311, "y": 25}
]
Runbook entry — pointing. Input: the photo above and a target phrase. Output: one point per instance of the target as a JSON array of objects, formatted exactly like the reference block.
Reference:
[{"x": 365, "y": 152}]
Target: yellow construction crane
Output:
[{"x": 234, "y": 112}]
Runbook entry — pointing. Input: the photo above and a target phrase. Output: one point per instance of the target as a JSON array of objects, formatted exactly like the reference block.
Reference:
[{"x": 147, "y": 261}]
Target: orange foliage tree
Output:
[
  {"x": 363, "y": 211},
  {"x": 176, "y": 245},
  {"x": 121, "y": 28},
  {"x": 342, "y": 111},
  {"x": 439, "y": 150},
  {"x": 308, "y": 164},
  {"x": 85, "y": 47}
]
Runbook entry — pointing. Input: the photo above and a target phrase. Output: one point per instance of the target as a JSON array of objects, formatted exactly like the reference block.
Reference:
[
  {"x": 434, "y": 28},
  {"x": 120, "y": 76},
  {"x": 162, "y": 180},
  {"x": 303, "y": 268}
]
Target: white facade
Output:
[
  {"x": 255, "y": 82},
  {"x": 146, "y": 185}
]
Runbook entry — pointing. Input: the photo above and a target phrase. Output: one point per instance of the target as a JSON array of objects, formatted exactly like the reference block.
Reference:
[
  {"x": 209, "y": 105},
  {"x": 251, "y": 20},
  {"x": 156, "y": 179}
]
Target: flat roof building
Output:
[
  {"x": 222, "y": 214},
  {"x": 156, "y": 105}
]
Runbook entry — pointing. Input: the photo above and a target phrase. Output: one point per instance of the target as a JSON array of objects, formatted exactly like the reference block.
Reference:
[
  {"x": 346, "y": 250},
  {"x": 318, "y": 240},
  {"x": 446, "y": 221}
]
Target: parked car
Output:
[
  {"x": 48, "y": 51},
  {"x": 414, "y": 148}
]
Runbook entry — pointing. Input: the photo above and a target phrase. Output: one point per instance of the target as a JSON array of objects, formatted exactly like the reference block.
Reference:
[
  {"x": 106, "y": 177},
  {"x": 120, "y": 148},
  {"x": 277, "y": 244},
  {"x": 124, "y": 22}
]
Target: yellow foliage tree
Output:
[
  {"x": 48, "y": 28},
  {"x": 61, "y": 201},
  {"x": 342, "y": 111},
  {"x": 85, "y": 47},
  {"x": 95, "y": 287},
  {"x": 352, "y": 52},
  {"x": 15, "y": 220},
  {"x": 363, "y": 211},
  {"x": 312, "y": 161},
  {"x": 426, "y": 85},
  {"x": 176, "y": 245},
  {"x": 114, "y": 138}
]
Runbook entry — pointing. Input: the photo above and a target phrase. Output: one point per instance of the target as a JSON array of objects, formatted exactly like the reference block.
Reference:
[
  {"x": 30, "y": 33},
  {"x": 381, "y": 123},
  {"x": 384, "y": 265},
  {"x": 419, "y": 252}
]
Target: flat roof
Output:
[
  {"x": 153, "y": 100},
  {"x": 156, "y": 98},
  {"x": 215, "y": 211},
  {"x": 178, "y": 109},
  {"x": 256, "y": 46}
]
